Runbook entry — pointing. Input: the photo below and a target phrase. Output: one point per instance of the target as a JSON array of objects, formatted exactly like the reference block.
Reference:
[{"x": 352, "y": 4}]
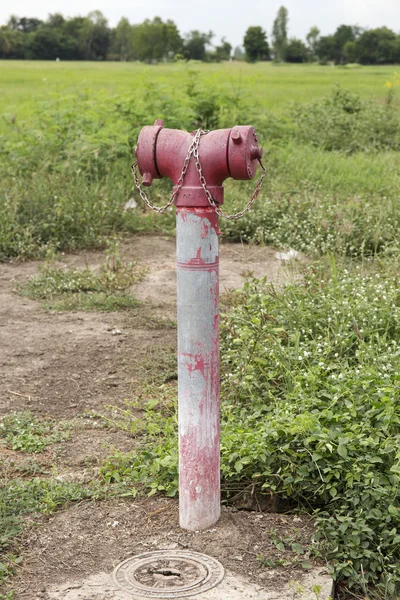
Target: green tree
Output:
[
  {"x": 377, "y": 46},
  {"x": 48, "y": 43},
  {"x": 312, "y": 38},
  {"x": 78, "y": 28},
  {"x": 73, "y": 39},
  {"x": 223, "y": 51},
  {"x": 55, "y": 20},
  {"x": 342, "y": 35},
  {"x": 26, "y": 25},
  {"x": 174, "y": 39},
  {"x": 155, "y": 40},
  {"x": 195, "y": 44},
  {"x": 121, "y": 44},
  {"x": 11, "y": 43},
  {"x": 256, "y": 44},
  {"x": 280, "y": 34},
  {"x": 98, "y": 38},
  {"x": 395, "y": 45},
  {"x": 326, "y": 49},
  {"x": 350, "y": 52},
  {"x": 296, "y": 51}
]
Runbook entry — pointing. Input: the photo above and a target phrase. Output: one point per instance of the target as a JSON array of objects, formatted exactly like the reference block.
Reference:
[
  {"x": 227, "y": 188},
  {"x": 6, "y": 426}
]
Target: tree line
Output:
[
  {"x": 349, "y": 44},
  {"x": 91, "y": 38}
]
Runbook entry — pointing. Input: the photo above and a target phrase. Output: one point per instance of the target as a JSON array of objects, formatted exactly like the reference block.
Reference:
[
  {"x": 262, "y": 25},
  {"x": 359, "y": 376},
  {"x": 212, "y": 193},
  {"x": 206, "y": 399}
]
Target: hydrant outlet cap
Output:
[
  {"x": 243, "y": 152},
  {"x": 146, "y": 153}
]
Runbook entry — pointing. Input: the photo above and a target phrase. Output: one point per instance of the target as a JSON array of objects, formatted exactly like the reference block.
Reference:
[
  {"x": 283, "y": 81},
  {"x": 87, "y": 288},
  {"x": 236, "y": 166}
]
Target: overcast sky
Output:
[{"x": 228, "y": 18}]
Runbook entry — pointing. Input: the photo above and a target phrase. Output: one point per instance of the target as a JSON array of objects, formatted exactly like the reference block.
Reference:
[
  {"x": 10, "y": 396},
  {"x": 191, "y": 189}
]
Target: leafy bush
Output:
[
  {"x": 346, "y": 122},
  {"x": 312, "y": 392},
  {"x": 310, "y": 411},
  {"x": 321, "y": 202},
  {"x": 74, "y": 134},
  {"x": 65, "y": 175},
  {"x": 61, "y": 211},
  {"x": 315, "y": 224}
]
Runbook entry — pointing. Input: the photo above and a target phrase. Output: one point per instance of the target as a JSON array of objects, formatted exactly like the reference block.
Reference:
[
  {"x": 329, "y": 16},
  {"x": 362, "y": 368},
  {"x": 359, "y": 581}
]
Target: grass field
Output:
[
  {"x": 313, "y": 370},
  {"x": 66, "y": 120},
  {"x": 271, "y": 86}
]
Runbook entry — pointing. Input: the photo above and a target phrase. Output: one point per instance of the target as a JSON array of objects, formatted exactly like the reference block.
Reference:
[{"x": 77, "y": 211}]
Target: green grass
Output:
[
  {"x": 83, "y": 289},
  {"x": 65, "y": 157},
  {"x": 91, "y": 302},
  {"x": 20, "y": 498},
  {"x": 271, "y": 85},
  {"x": 25, "y": 433}
]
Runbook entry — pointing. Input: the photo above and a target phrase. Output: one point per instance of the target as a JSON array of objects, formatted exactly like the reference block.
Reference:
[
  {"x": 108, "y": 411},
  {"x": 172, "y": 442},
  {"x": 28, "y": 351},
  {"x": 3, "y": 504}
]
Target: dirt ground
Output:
[
  {"x": 62, "y": 364},
  {"x": 94, "y": 537},
  {"x": 69, "y": 366}
]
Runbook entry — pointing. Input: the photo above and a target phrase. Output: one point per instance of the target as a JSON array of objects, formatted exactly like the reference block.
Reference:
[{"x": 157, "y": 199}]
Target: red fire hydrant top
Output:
[{"x": 223, "y": 153}]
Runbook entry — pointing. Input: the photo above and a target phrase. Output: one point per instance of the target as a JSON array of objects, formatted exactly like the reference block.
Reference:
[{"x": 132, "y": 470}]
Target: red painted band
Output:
[
  {"x": 199, "y": 209},
  {"x": 201, "y": 266}
]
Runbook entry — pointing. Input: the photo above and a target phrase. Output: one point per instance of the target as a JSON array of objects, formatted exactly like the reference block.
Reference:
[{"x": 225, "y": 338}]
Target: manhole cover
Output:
[{"x": 168, "y": 574}]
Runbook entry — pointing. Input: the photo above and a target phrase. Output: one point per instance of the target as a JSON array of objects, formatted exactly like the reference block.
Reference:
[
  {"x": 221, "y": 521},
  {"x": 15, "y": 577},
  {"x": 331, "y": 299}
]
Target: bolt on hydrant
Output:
[{"x": 198, "y": 163}]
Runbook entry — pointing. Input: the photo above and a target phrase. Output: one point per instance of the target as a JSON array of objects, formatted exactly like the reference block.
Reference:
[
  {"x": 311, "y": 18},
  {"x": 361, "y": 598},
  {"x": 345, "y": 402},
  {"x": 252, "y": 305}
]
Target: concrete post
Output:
[{"x": 198, "y": 367}]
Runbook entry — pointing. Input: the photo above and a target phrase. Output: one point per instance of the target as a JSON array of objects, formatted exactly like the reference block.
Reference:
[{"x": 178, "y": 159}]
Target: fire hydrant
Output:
[{"x": 198, "y": 163}]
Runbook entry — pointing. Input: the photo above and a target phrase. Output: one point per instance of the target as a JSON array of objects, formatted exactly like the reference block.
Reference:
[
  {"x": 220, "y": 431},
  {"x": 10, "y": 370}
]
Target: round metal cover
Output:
[{"x": 168, "y": 574}]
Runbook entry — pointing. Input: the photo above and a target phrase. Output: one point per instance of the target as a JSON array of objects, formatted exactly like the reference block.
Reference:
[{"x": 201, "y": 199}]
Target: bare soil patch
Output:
[
  {"x": 91, "y": 537},
  {"x": 62, "y": 364},
  {"x": 237, "y": 261}
]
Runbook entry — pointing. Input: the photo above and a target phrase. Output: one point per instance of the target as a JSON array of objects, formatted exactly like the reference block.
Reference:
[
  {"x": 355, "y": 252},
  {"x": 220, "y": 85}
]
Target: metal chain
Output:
[
  {"x": 211, "y": 200},
  {"x": 194, "y": 149},
  {"x": 146, "y": 200},
  {"x": 143, "y": 195}
]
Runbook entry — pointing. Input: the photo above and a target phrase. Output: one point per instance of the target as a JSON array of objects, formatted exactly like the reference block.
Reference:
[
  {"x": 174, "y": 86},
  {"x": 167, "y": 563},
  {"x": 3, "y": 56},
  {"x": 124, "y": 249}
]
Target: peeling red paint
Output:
[
  {"x": 200, "y": 472},
  {"x": 205, "y": 213},
  {"x": 196, "y": 362},
  {"x": 204, "y": 230},
  {"x": 199, "y": 466}
]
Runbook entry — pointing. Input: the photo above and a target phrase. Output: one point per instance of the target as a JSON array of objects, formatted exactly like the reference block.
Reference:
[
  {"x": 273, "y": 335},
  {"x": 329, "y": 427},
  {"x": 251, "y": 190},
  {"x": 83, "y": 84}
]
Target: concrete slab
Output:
[{"x": 315, "y": 585}]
